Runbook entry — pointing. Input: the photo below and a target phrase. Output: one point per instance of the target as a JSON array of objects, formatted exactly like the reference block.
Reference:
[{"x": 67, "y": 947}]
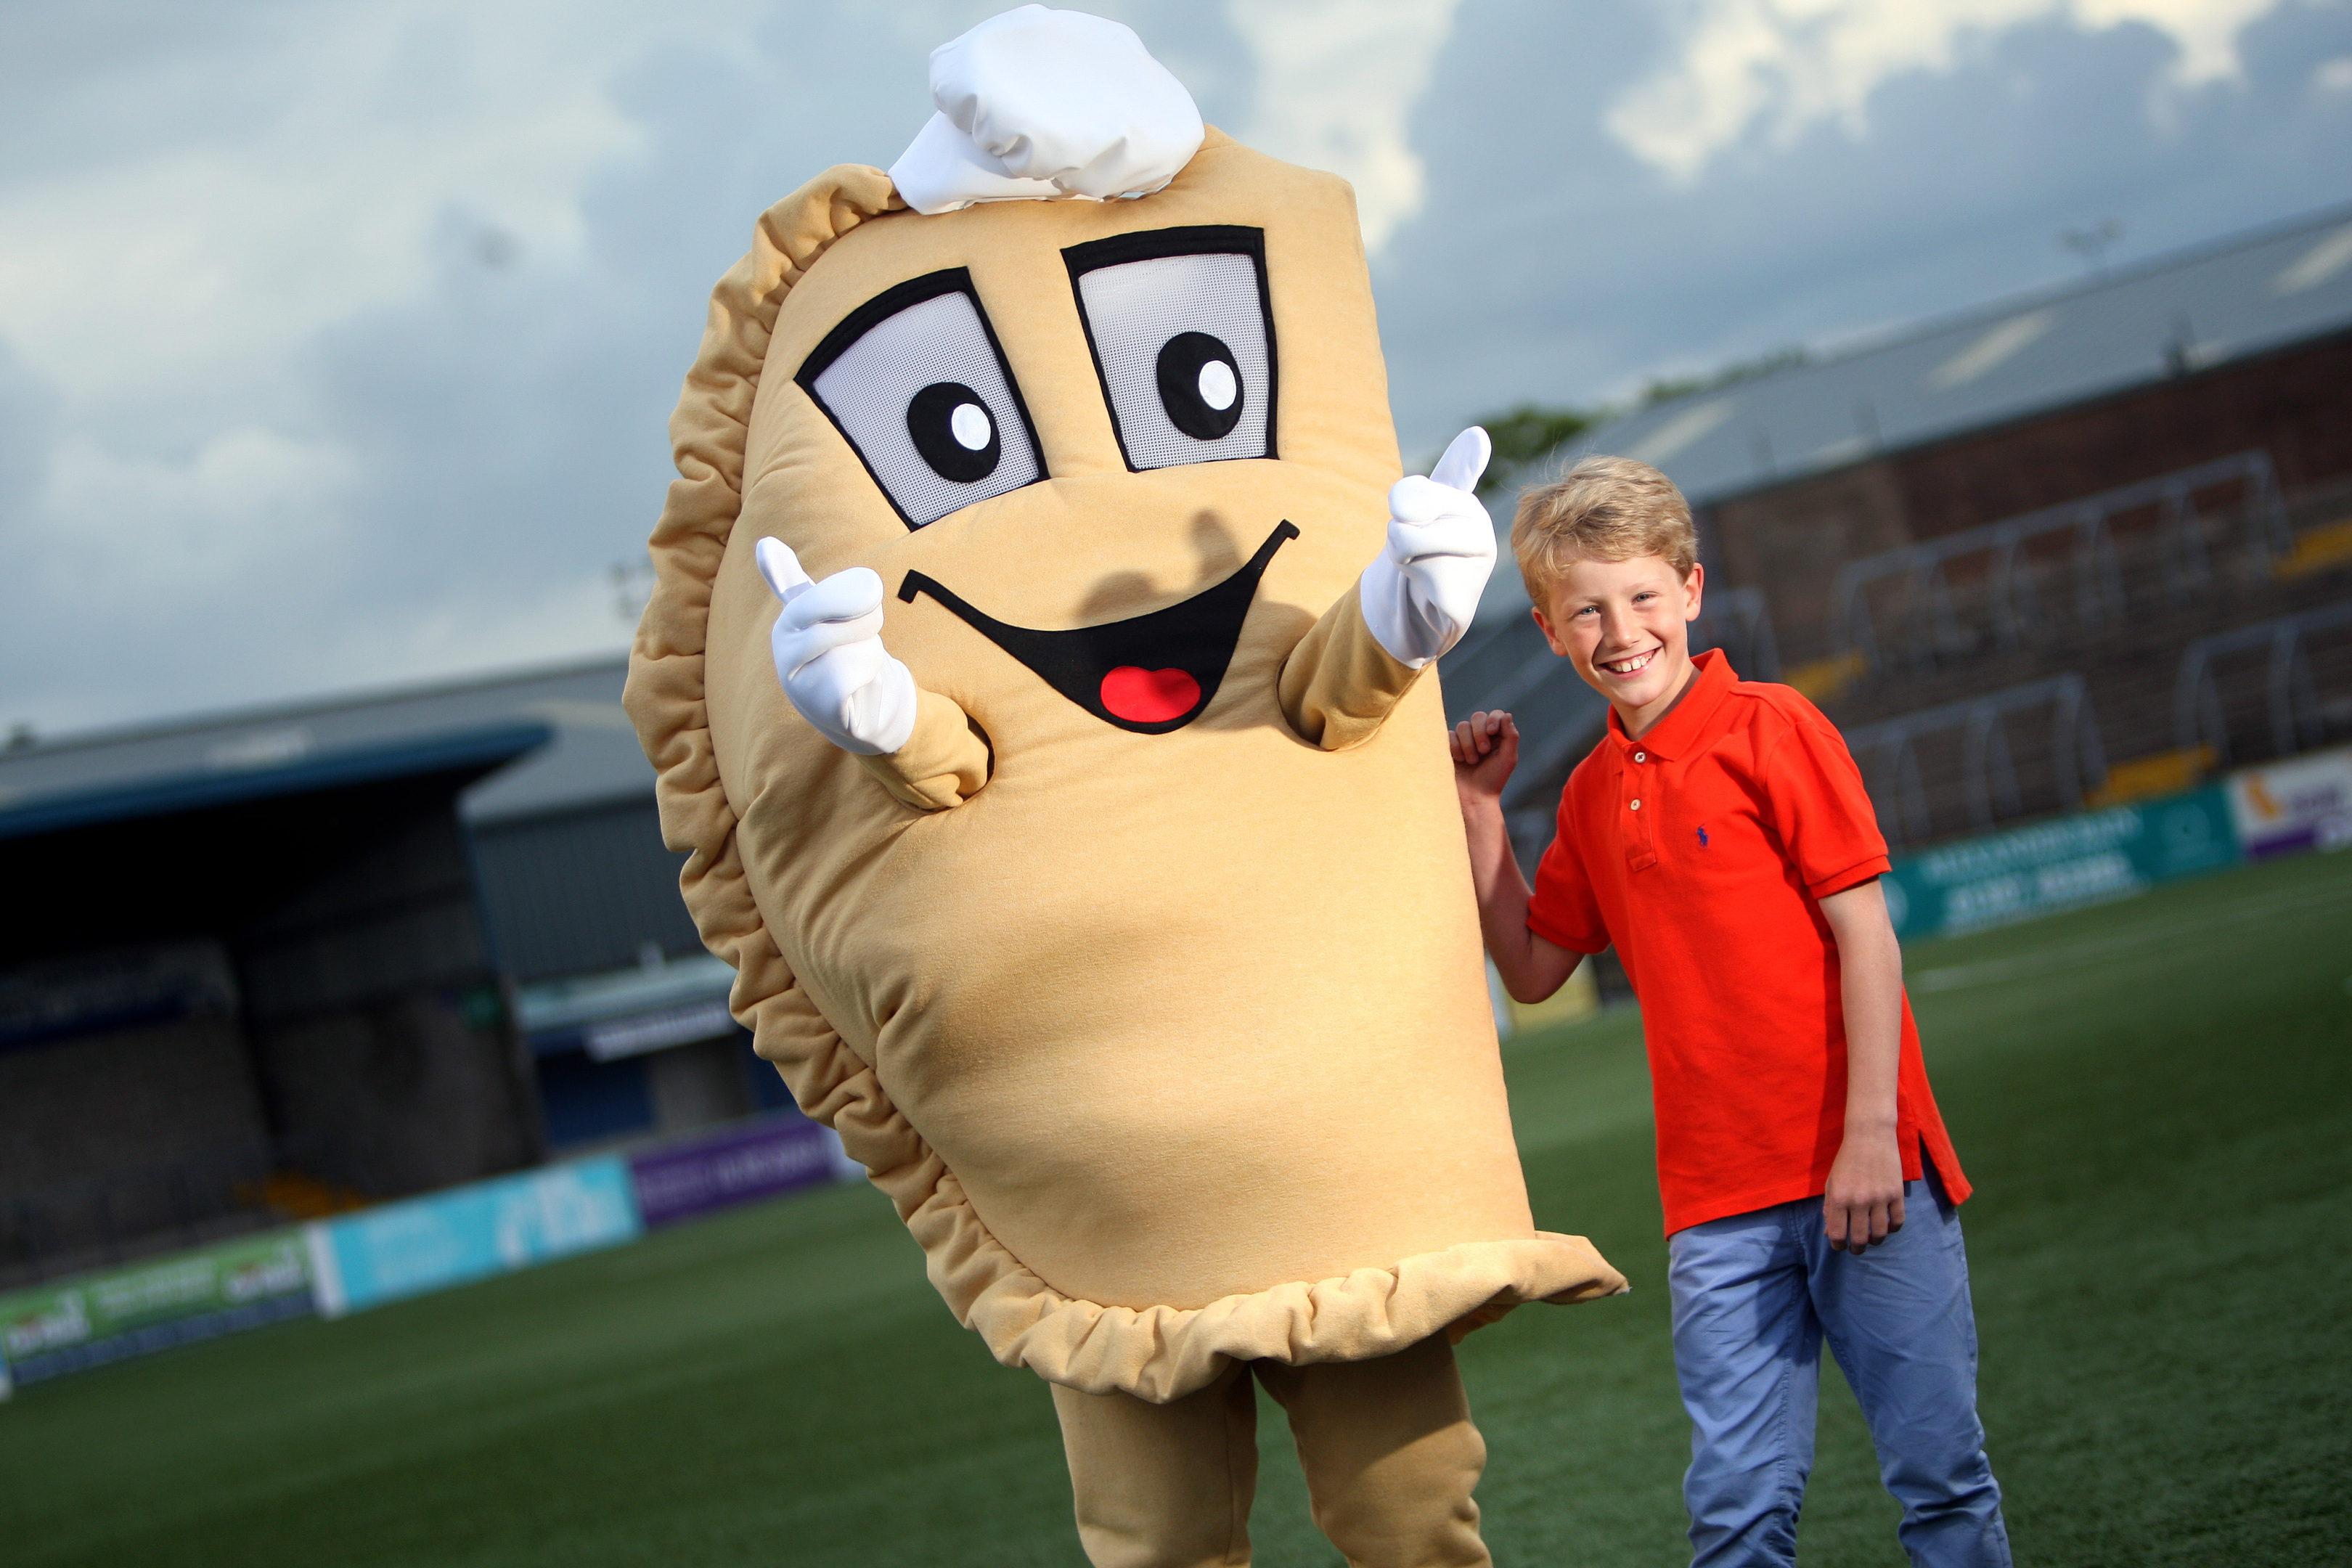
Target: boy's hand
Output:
[
  {"x": 1863, "y": 1203},
  {"x": 1486, "y": 748}
]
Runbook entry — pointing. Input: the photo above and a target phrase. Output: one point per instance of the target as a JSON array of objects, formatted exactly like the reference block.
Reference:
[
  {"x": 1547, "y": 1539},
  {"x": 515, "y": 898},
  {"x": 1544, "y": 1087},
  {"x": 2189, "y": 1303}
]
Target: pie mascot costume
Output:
[{"x": 1080, "y": 824}]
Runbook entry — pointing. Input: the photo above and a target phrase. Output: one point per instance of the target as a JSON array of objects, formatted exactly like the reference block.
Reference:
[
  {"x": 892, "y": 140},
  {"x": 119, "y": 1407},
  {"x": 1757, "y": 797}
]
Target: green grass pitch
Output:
[{"x": 2154, "y": 1098}]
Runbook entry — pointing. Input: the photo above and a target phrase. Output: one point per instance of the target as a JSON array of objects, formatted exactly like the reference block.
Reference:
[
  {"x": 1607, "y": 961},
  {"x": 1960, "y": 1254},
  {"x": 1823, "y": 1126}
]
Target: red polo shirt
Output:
[{"x": 1701, "y": 851}]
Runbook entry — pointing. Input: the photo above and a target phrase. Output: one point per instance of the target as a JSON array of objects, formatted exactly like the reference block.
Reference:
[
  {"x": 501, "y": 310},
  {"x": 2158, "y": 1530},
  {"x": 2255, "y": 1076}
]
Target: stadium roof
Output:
[
  {"x": 2190, "y": 310},
  {"x": 575, "y": 744}
]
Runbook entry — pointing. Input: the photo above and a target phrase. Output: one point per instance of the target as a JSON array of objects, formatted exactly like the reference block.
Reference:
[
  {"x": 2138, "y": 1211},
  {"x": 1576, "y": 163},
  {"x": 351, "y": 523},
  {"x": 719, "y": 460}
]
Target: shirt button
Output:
[
  {"x": 1641, "y": 757},
  {"x": 1637, "y": 805}
]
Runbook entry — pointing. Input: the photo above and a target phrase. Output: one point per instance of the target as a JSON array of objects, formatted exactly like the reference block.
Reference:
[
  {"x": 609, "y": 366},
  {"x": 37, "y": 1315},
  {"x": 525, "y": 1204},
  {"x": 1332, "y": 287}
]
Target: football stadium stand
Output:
[{"x": 2081, "y": 547}]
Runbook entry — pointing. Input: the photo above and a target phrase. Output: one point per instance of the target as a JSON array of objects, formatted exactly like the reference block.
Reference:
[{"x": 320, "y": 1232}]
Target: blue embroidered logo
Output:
[{"x": 1702, "y": 838}]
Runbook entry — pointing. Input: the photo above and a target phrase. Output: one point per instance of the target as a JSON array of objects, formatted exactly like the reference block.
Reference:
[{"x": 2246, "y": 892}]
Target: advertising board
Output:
[
  {"x": 2288, "y": 807},
  {"x": 69, "y": 1324},
  {"x": 2061, "y": 864},
  {"x": 407, "y": 1248},
  {"x": 737, "y": 1166}
]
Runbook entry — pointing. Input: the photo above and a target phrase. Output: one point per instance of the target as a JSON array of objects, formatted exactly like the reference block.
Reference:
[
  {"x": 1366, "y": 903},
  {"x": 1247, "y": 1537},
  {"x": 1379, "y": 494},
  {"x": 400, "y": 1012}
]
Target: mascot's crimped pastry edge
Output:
[{"x": 1142, "y": 971}]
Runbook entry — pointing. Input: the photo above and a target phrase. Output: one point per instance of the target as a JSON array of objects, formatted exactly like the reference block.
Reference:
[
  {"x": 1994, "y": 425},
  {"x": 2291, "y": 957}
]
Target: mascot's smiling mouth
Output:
[{"x": 1149, "y": 673}]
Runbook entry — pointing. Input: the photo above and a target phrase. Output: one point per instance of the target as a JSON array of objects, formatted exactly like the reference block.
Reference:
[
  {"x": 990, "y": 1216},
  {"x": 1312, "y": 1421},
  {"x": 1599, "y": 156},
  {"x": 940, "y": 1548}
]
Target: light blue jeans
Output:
[{"x": 1753, "y": 1295}]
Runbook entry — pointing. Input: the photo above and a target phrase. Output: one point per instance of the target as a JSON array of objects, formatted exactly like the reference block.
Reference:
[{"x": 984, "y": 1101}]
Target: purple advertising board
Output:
[{"x": 684, "y": 1180}]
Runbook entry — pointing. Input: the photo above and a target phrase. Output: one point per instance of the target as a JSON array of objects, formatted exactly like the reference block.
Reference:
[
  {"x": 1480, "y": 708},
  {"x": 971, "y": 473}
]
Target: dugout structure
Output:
[{"x": 266, "y": 966}]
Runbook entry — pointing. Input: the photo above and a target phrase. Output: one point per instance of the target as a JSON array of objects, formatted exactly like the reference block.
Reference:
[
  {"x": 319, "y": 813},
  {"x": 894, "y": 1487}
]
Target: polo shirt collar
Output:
[{"x": 1679, "y": 731}]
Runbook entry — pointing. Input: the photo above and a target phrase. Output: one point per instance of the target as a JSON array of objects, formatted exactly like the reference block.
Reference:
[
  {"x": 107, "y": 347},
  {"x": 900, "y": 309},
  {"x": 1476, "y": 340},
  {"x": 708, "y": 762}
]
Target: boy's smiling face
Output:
[{"x": 1625, "y": 625}]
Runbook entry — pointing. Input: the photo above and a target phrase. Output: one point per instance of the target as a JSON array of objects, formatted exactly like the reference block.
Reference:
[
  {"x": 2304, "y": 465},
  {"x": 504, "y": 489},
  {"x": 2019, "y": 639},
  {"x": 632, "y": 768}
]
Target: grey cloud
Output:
[
  {"x": 508, "y": 423},
  {"x": 29, "y": 407},
  {"x": 84, "y": 84},
  {"x": 1551, "y": 264},
  {"x": 513, "y": 421},
  {"x": 28, "y": 420}
]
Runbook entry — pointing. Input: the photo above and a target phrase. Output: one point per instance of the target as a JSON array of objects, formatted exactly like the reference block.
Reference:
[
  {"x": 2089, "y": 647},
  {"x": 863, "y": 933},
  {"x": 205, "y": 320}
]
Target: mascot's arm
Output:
[
  {"x": 829, "y": 656},
  {"x": 1339, "y": 683},
  {"x": 944, "y": 761},
  {"x": 1412, "y": 603}
]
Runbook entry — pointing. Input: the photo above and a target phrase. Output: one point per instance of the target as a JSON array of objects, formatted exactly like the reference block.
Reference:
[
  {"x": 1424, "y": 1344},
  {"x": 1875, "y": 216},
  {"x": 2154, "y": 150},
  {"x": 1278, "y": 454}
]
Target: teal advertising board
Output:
[
  {"x": 431, "y": 1243},
  {"x": 2061, "y": 864}
]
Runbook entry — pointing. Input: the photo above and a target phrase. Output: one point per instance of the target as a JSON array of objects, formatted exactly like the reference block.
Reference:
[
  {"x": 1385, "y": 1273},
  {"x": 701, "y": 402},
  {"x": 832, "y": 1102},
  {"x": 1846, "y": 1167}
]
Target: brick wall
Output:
[{"x": 2296, "y": 405}]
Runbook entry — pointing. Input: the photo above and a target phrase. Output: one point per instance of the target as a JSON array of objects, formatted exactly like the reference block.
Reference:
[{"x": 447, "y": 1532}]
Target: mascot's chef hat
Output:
[{"x": 1038, "y": 104}]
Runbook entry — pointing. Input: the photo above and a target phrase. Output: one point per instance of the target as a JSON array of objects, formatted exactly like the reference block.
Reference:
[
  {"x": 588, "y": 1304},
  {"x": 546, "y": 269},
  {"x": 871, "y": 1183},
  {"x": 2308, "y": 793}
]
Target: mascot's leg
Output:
[
  {"x": 1163, "y": 1486},
  {"x": 1389, "y": 1454}
]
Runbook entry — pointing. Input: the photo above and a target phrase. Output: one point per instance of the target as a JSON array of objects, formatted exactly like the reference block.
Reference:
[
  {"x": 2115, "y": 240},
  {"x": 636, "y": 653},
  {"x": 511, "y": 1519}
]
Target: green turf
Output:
[{"x": 2155, "y": 1099}]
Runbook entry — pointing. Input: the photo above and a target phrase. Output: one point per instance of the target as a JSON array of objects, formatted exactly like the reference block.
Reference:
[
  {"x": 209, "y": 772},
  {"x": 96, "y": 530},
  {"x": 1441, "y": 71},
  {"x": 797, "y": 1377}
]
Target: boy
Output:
[{"x": 1720, "y": 838}]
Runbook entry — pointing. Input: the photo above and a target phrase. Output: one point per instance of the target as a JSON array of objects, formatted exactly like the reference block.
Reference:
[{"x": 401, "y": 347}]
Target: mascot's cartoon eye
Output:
[
  {"x": 917, "y": 384},
  {"x": 1182, "y": 326},
  {"x": 950, "y": 428},
  {"x": 1199, "y": 386}
]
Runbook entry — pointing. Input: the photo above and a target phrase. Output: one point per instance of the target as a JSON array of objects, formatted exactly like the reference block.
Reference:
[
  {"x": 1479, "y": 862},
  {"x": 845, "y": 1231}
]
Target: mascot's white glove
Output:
[
  {"x": 1418, "y": 595},
  {"x": 1037, "y": 105},
  {"x": 829, "y": 654}
]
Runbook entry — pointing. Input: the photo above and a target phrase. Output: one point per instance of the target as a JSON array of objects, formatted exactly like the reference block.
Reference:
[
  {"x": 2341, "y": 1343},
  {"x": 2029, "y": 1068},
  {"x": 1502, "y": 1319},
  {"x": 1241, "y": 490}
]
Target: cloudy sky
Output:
[{"x": 337, "y": 338}]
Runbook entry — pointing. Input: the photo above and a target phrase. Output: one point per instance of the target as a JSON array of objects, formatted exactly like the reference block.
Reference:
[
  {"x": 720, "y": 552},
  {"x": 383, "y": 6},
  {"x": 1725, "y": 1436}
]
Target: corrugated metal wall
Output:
[{"x": 582, "y": 891}]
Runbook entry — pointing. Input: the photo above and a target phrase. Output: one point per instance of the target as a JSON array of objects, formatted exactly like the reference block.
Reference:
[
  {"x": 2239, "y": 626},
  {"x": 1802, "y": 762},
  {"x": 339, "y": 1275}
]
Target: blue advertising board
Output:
[
  {"x": 407, "y": 1248},
  {"x": 2061, "y": 864}
]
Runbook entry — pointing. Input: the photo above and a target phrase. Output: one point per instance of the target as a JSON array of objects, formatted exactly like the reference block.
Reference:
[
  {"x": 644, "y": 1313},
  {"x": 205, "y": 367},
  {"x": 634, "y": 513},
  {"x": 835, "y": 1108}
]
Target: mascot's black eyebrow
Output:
[
  {"x": 881, "y": 308},
  {"x": 1194, "y": 239}
]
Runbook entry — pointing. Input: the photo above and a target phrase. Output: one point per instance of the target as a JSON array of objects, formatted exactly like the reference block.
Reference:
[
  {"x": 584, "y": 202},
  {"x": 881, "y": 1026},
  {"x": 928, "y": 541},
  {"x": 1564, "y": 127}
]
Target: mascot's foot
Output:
[{"x": 1389, "y": 1454}]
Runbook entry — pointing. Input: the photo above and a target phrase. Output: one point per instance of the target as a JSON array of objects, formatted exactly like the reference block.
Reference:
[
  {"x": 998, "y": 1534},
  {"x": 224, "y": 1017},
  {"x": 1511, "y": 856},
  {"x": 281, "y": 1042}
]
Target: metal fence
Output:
[
  {"x": 1988, "y": 779},
  {"x": 1736, "y": 621},
  {"x": 2012, "y": 601},
  {"x": 2291, "y": 698}
]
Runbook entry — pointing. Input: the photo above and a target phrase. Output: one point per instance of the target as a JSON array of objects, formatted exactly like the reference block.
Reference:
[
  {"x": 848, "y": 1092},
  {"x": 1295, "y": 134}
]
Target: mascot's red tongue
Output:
[{"x": 1148, "y": 696}]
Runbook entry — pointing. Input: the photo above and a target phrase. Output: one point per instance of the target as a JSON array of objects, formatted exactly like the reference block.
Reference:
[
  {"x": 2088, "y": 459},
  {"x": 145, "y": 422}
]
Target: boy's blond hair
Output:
[{"x": 1604, "y": 508}]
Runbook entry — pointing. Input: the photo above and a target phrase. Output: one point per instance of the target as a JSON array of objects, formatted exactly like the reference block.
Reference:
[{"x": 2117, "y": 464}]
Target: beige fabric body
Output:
[
  {"x": 1170, "y": 1050},
  {"x": 1390, "y": 1454}
]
